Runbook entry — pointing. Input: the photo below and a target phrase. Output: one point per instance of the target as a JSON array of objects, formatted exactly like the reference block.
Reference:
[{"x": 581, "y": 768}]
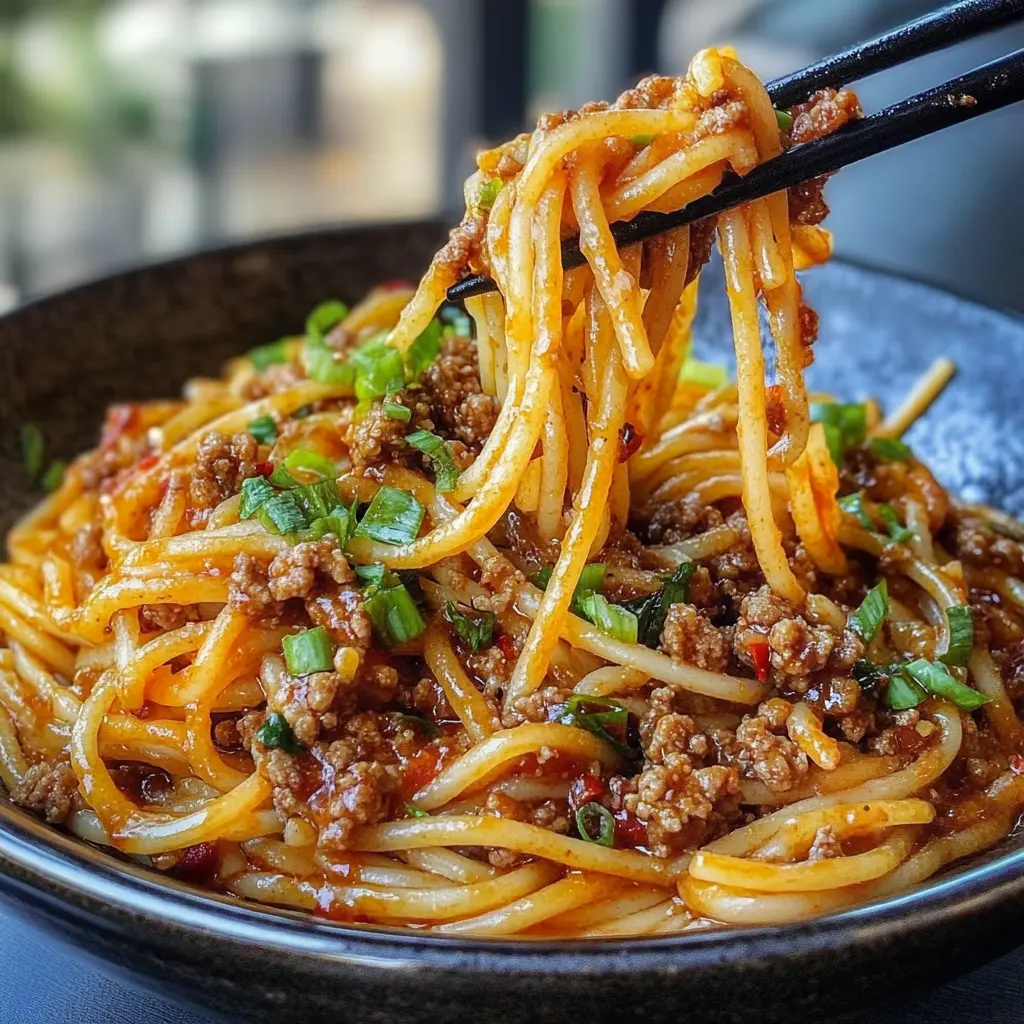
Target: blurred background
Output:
[{"x": 135, "y": 129}]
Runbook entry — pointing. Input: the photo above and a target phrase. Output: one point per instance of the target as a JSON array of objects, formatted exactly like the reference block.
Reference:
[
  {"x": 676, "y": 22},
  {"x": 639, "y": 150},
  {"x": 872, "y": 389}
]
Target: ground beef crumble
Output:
[
  {"x": 221, "y": 464},
  {"x": 50, "y": 789}
]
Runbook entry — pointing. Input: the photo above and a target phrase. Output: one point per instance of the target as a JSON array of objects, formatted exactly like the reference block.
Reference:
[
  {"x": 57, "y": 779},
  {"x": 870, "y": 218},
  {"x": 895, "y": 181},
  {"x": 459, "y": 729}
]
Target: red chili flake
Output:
[
  {"x": 630, "y": 440},
  {"x": 119, "y": 419},
  {"x": 1017, "y": 764},
  {"x": 198, "y": 863},
  {"x": 629, "y": 829},
  {"x": 584, "y": 790},
  {"x": 264, "y": 468},
  {"x": 507, "y": 646},
  {"x": 148, "y": 462},
  {"x": 759, "y": 654}
]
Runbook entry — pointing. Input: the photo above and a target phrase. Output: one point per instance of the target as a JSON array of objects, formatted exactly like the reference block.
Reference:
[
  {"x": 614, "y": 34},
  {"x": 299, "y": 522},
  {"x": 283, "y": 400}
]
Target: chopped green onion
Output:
[
  {"x": 325, "y": 366},
  {"x": 871, "y": 677},
  {"x": 706, "y": 375},
  {"x": 642, "y": 140},
  {"x": 897, "y": 531},
  {"x": 610, "y": 618},
  {"x": 396, "y": 411},
  {"x": 308, "y": 652},
  {"x": 489, "y": 191},
  {"x": 854, "y": 505},
  {"x": 32, "y": 450},
  {"x": 394, "y": 615},
  {"x": 596, "y": 815},
  {"x": 54, "y": 475},
  {"x": 312, "y": 462},
  {"x": 419, "y": 722},
  {"x": 652, "y": 609},
  {"x": 378, "y": 369},
  {"x": 591, "y": 578},
  {"x": 324, "y": 319},
  {"x": 416, "y": 812},
  {"x": 936, "y": 679},
  {"x": 845, "y": 426},
  {"x": 903, "y": 692},
  {"x": 784, "y": 119},
  {"x": 372, "y": 575},
  {"x": 341, "y": 522},
  {"x": 264, "y": 356},
  {"x": 318, "y": 500},
  {"x": 424, "y": 350},
  {"x": 264, "y": 429},
  {"x": 302, "y": 412},
  {"x": 393, "y": 517},
  {"x": 868, "y": 618},
  {"x": 446, "y": 473},
  {"x": 890, "y": 449},
  {"x": 461, "y": 326},
  {"x": 282, "y": 514},
  {"x": 595, "y": 715},
  {"x": 282, "y": 478},
  {"x": 276, "y": 733},
  {"x": 960, "y": 623},
  {"x": 476, "y": 630},
  {"x": 255, "y": 491}
]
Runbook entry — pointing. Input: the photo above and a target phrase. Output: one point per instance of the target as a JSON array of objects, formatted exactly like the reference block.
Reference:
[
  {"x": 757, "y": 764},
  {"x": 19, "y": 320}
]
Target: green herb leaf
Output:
[
  {"x": 394, "y": 615},
  {"x": 276, "y": 733},
  {"x": 610, "y": 618},
  {"x": 282, "y": 514},
  {"x": 784, "y": 119},
  {"x": 446, "y": 473},
  {"x": 309, "y": 651},
  {"x": 890, "y": 449},
  {"x": 868, "y": 618},
  {"x": 489, "y": 191},
  {"x": 960, "y": 623},
  {"x": 476, "y": 630},
  {"x": 936, "y": 679},
  {"x": 652, "y": 609},
  {"x": 903, "y": 692},
  {"x": 897, "y": 531},
  {"x": 394, "y": 517},
  {"x": 424, "y": 350},
  {"x": 255, "y": 491},
  {"x": 845, "y": 426},
  {"x": 311, "y": 462},
  {"x": 706, "y": 375},
  {"x": 264, "y": 429},
  {"x": 871, "y": 677},
  {"x": 32, "y": 451},
  {"x": 324, "y": 319},
  {"x": 416, "y": 812},
  {"x": 854, "y": 505},
  {"x": 595, "y": 824},
  {"x": 419, "y": 722},
  {"x": 597, "y": 715},
  {"x": 264, "y": 356},
  {"x": 54, "y": 475}
]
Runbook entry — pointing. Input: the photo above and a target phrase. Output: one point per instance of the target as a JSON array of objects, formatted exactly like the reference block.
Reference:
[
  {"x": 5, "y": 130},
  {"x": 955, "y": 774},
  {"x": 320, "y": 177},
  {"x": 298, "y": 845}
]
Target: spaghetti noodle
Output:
[{"x": 523, "y": 622}]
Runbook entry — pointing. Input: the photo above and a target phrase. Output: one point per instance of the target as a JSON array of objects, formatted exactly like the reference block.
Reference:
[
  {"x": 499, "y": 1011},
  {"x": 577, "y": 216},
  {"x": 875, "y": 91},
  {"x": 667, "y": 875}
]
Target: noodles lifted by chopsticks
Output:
[{"x": 521, "y": 620}]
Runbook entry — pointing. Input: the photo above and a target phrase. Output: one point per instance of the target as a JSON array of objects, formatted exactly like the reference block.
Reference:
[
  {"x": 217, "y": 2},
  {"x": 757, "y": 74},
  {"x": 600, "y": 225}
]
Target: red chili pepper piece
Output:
[
  {"x": 148, "y": 462},
  {"x": 507, "y": 646},
  {"x": 761, "y": 657},
  {"x": 198, "y": 863},
  {"x": 629, "y": 829},
  {"x": 584, "y": 790},
  {"x": 264, "y": 468},
  {"x": 1017, "y": 764}
]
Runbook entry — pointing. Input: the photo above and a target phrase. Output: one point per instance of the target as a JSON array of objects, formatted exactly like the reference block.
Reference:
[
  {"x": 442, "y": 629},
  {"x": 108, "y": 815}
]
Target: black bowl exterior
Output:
[{"x": 142, "y": 334}]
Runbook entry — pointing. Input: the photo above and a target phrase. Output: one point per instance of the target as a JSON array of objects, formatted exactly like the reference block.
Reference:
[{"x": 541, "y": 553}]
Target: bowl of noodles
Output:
[{"x": 639, "y": 630}]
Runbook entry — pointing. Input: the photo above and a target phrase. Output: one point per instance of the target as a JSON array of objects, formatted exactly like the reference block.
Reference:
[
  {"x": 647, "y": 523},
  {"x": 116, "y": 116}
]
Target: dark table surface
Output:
[{"x": 42, "y": 982}]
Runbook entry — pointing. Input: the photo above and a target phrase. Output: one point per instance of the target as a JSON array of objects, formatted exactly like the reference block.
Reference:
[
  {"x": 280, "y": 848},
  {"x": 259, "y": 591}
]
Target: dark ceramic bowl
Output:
[{"x": 142, "y": 334}]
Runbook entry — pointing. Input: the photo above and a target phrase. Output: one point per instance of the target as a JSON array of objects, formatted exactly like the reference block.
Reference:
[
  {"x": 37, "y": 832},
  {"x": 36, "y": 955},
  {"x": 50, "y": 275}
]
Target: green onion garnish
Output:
[
  {"x": 275, "y": 732},
  {"x": 590, "y": 580},
  {"x": 307, "y": 652},
  {"x": 263, "y": 356},
  {"x": 868, "y": 618},
  {"x": 610, "y": 618},
  {"x": 903, "y": 692},
  {"x": 784, "y": 119},
  {"x": 325, "y": 366},
  {"x": 319, "y": 500},
  {"x": 424, "y": 350},
  {"x": 302, "y": 412},
  {"x": 324, "y": 319},
  {"x": 282, "y": 478},
  {"x": 395, "y": 410},
  {"x": 854, "y": 504},
  {"x": 416, "y": 812},
  {"x": 393, "y": 517},
  {"x": 264, "y": 429},
  {"x": 706, "y": 375},
  {"x": 936, "y": 679},
  {"x": 489, "y": 191},
  {"x": 890, "y": 449},
  {"x": 871, "y": 677},
  {"x": 642, "y": 140},
  {"x": 446, "y": 473},
  {"x": 897, "y": 531},
  {"x": 596, "y": 715},
  {"x": 652, "y": 609},
  {"x": 596, "y": 818},
  {"x": 476, "y": 630},
  {"x": 282, "y": 514},
  {"x": 311, "y": 462},
  {"x": 419, "y": 722},
  {"x": 394, "y": 615},
  {"x": 378, "y": 369},
  {"x": 255, "y": 491},
  {"x": 960, "y": 622},
  {"x": 54, "y": 475},
  {"x": 374, "y": 575},
  {"x": 845, "y": 426},
  {"x": 32, "y": 451}
]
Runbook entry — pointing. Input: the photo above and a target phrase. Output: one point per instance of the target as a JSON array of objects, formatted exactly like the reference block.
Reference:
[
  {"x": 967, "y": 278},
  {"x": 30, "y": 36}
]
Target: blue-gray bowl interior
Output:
[{"x": 142, "y": 334}]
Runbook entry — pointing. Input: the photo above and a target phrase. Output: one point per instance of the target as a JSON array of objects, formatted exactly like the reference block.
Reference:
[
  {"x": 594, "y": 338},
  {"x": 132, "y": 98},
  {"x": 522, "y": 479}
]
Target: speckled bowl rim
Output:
[{"x": 66, "y": 878}]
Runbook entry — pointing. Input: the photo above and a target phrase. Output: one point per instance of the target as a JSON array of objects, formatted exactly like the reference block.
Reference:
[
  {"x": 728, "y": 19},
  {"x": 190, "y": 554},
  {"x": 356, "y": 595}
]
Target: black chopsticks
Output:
[{"x": 980, "y": 91}]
